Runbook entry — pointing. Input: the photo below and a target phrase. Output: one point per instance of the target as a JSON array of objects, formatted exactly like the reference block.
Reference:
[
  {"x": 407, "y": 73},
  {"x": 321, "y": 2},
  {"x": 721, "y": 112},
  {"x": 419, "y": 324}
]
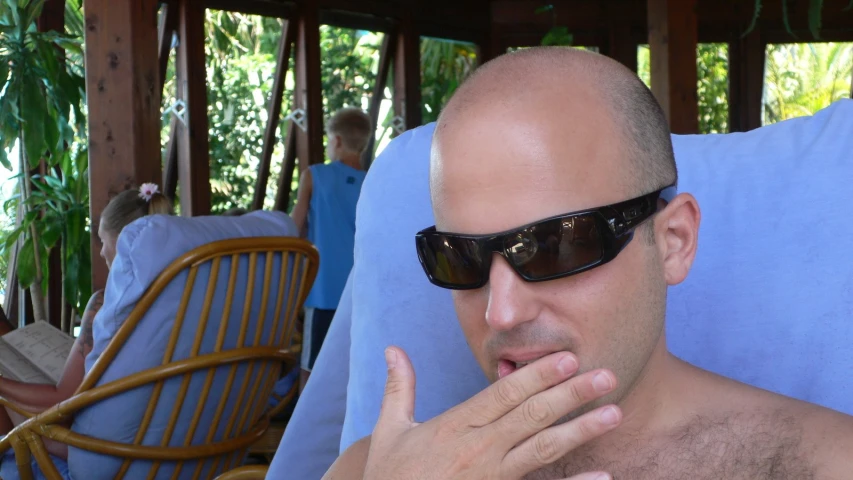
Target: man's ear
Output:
[{"x": 677, "y": 235}]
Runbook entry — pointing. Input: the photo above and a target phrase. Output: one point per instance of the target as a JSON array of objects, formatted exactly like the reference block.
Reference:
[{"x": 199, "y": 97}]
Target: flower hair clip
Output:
[{"x": 148, "y": 190}]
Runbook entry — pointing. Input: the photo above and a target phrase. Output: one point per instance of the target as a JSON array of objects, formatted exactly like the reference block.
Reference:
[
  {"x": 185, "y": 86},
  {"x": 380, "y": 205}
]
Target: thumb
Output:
[{"x": 398, "y": 405}]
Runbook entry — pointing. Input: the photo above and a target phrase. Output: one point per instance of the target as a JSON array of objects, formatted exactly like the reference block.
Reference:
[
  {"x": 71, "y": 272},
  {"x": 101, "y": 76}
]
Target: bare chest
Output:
[{"x": 700, "y": 451}]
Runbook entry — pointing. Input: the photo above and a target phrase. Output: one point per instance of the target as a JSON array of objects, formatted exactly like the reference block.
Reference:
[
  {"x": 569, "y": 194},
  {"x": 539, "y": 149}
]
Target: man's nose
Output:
[{"x": 511, "y": 301}]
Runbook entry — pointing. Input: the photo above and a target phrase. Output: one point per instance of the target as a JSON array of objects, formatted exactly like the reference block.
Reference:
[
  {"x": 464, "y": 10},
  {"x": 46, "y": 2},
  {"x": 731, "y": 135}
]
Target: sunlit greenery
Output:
[
  {"x": 712, "y": 88},
  {"x": 801, "y": 79}
]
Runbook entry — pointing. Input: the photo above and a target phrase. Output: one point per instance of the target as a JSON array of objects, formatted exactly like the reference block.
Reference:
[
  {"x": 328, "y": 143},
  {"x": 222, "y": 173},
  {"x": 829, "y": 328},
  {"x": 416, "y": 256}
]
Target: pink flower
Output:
[{"x": 147, "y": 190}]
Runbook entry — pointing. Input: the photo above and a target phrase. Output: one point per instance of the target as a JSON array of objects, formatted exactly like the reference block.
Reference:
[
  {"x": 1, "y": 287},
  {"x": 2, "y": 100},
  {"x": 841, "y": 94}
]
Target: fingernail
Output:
[
  {"x": 603, "y": 476},
  {"x": 601, "y": 383},
  {"x": 390, "y": 357},
  {"x": 567, "y": 365},
  {"x": 609, "y": 416}
]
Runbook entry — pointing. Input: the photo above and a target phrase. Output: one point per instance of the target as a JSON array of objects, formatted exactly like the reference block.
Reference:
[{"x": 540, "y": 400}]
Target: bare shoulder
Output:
[
  {"x": 351, "y": 464},
  {"x": 828, "y": 439},
  {"x": 781, "y": 434},
  {"x": 825, "y": 435}
]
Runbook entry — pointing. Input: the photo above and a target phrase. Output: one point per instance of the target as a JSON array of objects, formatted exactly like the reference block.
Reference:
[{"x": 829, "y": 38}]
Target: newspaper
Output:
[{"x": 35, "y": 353}]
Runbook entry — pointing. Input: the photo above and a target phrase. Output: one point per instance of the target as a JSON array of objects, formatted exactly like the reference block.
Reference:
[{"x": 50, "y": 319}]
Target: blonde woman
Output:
[{"x": 123, "y": 209}]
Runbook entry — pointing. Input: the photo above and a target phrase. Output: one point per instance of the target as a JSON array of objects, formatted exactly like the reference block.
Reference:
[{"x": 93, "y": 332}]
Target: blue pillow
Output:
[{"x": 145, "y": 248}]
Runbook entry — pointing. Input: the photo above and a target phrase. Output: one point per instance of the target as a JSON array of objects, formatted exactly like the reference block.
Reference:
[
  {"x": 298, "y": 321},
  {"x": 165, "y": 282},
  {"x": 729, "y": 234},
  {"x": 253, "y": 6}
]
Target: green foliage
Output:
[
  {"x": 241, "y": 55},
  {"x": 445, "y": 64},
  {"x": 41, "y": 111},
  {"x": 815, "y": 13},
  {"x": 713, "y": 88},
  {"x": 557, "y": 35},
  {"x": 801, "y": 79}
]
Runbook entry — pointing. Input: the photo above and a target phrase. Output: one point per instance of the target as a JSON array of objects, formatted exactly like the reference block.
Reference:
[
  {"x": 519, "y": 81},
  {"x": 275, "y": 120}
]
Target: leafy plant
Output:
[
  {"x": 815, "y": 14},
  {"x": 804, "y": 78},
  {"x": 41, "y": 109},
  {"x": 557, "y": 35},
  {"x": 445, "y": 64}
]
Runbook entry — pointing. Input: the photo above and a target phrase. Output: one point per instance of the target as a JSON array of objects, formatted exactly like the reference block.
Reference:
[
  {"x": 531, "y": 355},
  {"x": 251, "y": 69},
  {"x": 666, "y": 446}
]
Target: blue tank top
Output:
[{"x": 331, "y": 228}]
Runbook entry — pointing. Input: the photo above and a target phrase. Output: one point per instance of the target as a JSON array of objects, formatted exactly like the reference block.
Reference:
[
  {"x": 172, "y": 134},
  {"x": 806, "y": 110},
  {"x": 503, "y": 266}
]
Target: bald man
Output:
[{"x": 558, "y": 232}]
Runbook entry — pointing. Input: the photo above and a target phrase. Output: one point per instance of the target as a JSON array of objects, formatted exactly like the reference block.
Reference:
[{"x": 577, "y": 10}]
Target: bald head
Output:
[
  {"x": 585, "y": 97},
  {"x": 536, "y": 135}
]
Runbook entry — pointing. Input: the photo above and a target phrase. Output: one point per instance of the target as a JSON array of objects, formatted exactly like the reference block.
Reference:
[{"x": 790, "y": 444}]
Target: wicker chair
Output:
[{"x": 260, "y": 360}]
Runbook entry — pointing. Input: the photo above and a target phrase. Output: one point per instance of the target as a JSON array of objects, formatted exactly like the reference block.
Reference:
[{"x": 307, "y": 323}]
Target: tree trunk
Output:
[{"x": 35, "y": 289}]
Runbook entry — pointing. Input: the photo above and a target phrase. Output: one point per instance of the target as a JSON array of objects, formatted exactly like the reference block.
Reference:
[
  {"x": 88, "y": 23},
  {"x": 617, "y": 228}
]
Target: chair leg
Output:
[
  {"x": 43, "y": 460},
  {"x": 22, "y": 457}
]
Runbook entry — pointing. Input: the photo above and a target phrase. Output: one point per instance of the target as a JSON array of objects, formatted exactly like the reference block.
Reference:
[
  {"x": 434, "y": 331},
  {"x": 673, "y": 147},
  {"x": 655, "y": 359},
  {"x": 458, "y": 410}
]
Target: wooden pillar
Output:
[
  {"x": 52, "y": 18},
  {"x": 273, "y": 114},
  {"x": 309, "y": 86},
  {"x": 407, "y": 76},
  {"x": 386, "y": 54},
  {"x": 192, "y": 132},
  {"x": 746, "y": 81},
  {"x": 167, "y": 26},
  {"x": 124, "y": 105},
  {"x": 285, "y": 177},
  {"x": 673, "y": 39}
]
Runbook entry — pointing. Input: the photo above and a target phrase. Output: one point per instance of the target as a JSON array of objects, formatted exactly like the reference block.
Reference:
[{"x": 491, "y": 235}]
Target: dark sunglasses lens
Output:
[
  {"x": 452, "y": 261},
  {"x": 555, "y": 247}
]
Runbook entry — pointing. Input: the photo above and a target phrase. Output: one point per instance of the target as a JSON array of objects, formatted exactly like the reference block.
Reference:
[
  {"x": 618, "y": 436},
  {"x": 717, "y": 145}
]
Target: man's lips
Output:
[{"x": 510, "y": 361}]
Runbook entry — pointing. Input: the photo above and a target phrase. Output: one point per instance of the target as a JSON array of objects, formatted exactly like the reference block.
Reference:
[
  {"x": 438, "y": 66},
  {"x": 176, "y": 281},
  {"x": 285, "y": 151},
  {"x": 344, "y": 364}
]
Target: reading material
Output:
[{"x": 35, "y": 353}]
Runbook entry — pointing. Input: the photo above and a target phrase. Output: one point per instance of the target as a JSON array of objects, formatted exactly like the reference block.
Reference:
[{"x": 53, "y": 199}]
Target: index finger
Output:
[{"x": 512, "y": 390}]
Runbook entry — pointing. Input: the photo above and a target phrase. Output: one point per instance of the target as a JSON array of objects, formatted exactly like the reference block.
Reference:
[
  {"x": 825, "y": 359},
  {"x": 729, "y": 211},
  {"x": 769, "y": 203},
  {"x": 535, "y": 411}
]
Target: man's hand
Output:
[{"x": 504, "y": 432}]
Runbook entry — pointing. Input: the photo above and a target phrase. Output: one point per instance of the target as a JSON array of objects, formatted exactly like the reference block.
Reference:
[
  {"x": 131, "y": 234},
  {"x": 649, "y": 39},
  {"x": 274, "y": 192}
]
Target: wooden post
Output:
[
  {"x": 192, "y": 132},
  {"x": 673, "y": 36},
  {"x": 273, "y": 114},
  {"x": 52, "y": 18},
  {"x": 285, "y": 177},
  {"x": 386, "y": 54},
  {"x": 167, "y": 26},
  {"x": 124, "y": 105},
  {"x": 407, "y": 75},
  {"x": 746, "y": 81},
  {"x": 309, "y": 94}
]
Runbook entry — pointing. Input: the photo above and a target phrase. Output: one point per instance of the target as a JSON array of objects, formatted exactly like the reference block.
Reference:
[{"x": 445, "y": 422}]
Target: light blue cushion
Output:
[
  {"x": 769, "y": 300},
  {"x": 310, "y": 441},
  {"x": 144, "y": 249}
]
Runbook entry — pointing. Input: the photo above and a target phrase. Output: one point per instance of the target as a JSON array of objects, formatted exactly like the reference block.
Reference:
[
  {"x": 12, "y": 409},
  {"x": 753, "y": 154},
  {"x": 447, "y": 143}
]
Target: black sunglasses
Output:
[{"x": 552, "y": 248}]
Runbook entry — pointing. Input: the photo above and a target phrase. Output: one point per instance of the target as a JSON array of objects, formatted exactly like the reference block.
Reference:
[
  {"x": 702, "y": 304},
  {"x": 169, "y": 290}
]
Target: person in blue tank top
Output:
[{"x": 325, "y": 214}]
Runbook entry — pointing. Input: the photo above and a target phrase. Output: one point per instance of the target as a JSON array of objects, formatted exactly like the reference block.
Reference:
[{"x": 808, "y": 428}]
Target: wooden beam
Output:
[
  {"x": 192, "y": 133},
  {"x": 747, "y": 57},
  {"x": 386, "y": 54},
  {"x": 356, "y": 21},
  {"x": 123, "y": 99},
  {"x": 285, "y": 177},
  {"x": 309, "y": 95},
  {"x": 407, "y": 75},
  {"x": 672, "y": 42},
  {"x": 166, "y": 31},
  {"x": 288, "y": 31}
]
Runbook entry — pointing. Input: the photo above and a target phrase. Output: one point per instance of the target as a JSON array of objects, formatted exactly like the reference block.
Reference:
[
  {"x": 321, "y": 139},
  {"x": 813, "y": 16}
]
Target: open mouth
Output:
[{"x": 505, "y": 366}]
